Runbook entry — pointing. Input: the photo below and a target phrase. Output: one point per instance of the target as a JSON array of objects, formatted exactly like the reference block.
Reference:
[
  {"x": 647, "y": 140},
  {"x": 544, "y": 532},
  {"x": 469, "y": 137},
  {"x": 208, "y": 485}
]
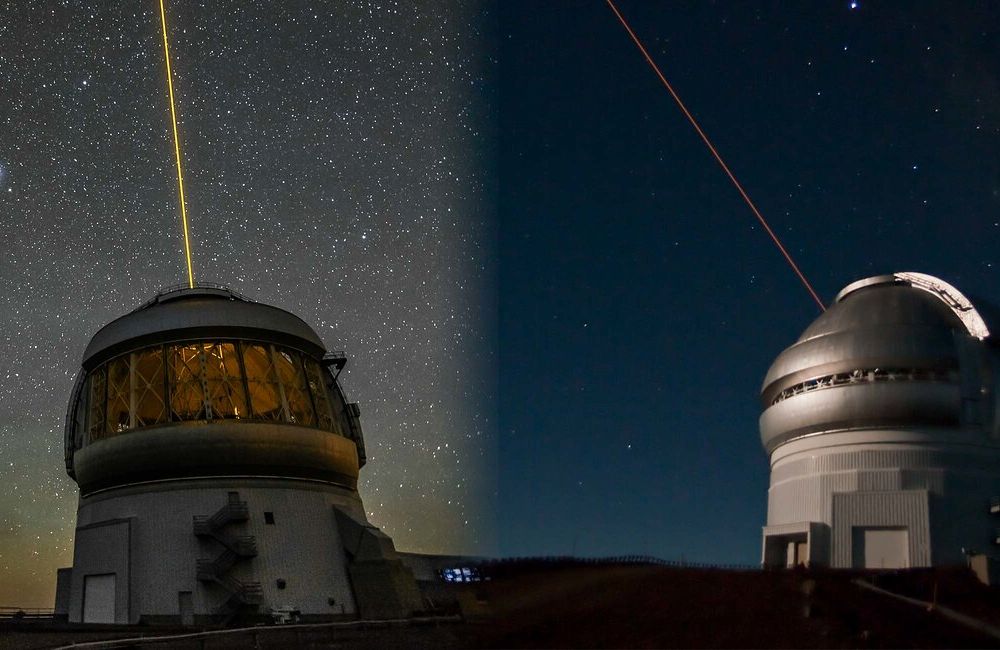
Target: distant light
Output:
[
  {"x": 460, "y": 574},
  {"x": 855, "y": 5}
]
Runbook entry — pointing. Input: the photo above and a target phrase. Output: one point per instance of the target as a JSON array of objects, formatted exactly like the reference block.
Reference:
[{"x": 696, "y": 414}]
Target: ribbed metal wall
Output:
[
  {"x": 871, "y": 487},
  {"x": 829, "y": 461},
  {"x": 807, "y": 498},
  {"x": 906, "y": 509}
]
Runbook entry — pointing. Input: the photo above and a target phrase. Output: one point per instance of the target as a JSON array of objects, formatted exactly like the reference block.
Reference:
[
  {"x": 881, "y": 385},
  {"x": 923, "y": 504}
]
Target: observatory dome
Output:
[
  {"x": 881, "y": 424},
  {"x": 218, "y": 460},
  {"x": 185, "y": 312},
  {"x": 891, "y": 351},
  {"x": 204, "y": 382}
]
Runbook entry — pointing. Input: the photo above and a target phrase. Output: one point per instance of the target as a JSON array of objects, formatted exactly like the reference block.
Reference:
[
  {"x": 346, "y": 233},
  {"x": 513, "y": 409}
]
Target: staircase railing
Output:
[{"x": 238, "y": 548}]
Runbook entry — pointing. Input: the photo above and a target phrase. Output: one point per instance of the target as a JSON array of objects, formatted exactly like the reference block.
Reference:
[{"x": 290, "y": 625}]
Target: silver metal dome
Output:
[{"x": 893, "y": 350}]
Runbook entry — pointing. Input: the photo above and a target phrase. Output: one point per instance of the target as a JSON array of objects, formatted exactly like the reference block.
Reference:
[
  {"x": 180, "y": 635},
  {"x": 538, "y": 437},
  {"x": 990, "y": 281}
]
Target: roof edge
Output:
[{"x": 943, "y": 291}]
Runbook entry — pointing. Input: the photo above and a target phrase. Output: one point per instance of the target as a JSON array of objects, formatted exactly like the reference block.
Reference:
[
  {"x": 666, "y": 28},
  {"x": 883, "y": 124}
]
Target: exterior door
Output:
[
  {"x": 802, "y": 553},
  {"x": 880, "y": 547},
  {"x": 186, "y": 607},
  {"x": 99, "y": 598}
]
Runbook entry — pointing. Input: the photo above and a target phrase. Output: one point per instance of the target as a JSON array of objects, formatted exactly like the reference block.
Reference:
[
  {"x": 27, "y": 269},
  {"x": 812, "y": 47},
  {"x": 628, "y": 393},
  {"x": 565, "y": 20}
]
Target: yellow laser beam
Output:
[{"x": 177, "y": 147}]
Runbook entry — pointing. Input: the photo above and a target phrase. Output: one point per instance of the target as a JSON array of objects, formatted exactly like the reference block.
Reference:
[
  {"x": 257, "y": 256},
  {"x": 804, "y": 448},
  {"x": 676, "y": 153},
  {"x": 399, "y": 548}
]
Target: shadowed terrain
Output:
[{"x": 566, "y": 605}]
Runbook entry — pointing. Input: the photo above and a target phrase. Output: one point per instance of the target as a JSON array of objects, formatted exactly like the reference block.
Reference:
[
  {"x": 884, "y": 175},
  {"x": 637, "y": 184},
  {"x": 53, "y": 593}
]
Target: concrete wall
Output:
[
  {"x": 103, "y": 547},
  {"x": 64, "y": 583},
  {"x": 158, "y": 550}
]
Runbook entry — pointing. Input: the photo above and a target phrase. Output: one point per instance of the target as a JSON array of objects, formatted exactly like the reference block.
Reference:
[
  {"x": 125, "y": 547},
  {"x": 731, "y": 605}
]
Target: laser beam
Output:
[
  {"x": 177, "y": 147},
  {"x": 715, "y": 153}
]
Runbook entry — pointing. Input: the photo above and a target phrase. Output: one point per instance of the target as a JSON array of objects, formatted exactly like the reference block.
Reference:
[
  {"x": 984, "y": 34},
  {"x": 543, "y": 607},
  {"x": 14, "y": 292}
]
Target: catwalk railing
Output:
[{"x": 25, "y": 613}]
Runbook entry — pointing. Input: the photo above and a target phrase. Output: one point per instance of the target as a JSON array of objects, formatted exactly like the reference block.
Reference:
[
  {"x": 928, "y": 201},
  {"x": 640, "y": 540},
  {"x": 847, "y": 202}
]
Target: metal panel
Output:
[
  {"x": 904, "y": 509},
  {"x": 64, "y": 583},
  {"x": 99, "y": 598},
  {"x": 861, "y": 326},
  {"x": 880, "y": 479},
  {"x": 195, "y": 311},
  {"x": 222, "y": 448},
  {"x": 185, "y": 606},
  {"x": 101, "y": 548},
  {"x": 878, "y": 547},
  {"x": 874, "y": 405}
]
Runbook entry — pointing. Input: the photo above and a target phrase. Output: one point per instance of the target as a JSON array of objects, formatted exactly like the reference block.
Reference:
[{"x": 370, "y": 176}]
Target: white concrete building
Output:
[
  {"x": 883, "y": 430},
  {"x": 218, "y": 459}
]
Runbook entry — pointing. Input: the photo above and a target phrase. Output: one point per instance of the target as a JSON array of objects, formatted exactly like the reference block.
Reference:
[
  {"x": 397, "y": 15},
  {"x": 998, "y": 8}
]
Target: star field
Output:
[
  {"x": 338, "y": 164},
  {"x": 535, "y": 245},
  {"x": 641, "y": 304}
]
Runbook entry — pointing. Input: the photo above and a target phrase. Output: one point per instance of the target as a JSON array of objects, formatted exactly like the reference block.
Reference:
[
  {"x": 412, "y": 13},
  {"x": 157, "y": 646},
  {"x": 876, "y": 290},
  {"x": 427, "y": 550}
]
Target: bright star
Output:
[{"x": 855, "y": 4}]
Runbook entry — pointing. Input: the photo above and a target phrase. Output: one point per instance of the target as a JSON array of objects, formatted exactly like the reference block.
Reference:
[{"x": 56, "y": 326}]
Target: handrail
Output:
[
  {"x": 174, "y": 288},
  {"x": 257, "y": 630}
]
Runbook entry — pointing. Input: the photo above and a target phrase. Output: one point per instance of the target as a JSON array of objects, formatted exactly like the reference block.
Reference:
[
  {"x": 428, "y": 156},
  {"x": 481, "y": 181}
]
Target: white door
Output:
[
  {"x": 99, "y": 598},
  {"x": 881, "y": 548}
]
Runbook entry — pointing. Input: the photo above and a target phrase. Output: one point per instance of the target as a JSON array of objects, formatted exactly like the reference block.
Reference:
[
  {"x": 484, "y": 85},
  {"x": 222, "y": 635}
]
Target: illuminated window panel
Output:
[
  {"x": 293, "y": 383},
  {"x": 97, "y": 400},
  {"x": 147, "y": 388},
  {"x": 187, "y": 397},
  {"x": 317, "y": 388},
  {"x": 223, "y": 381},
  {"x": 119, "y": 396},
  {"x": 262, "y": 382},
  {"x": 208, "y": 380}
]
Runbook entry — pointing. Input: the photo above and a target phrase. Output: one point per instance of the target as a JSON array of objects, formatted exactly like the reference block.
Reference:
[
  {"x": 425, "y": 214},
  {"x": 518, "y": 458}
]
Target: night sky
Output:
[
  {"x": 506, "y": 222},
  {"x": 339, "y": 164},
  {"x": 641, "y": 305}
]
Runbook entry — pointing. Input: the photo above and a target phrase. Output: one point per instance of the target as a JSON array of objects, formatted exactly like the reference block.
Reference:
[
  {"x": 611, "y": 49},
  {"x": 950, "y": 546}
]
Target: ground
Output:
[{"x": 552, "y": 604}]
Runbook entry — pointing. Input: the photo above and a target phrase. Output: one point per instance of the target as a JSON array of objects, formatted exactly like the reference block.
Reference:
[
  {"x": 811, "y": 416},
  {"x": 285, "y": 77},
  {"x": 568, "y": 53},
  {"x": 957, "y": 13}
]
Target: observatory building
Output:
[
  {"x": 217, "y": 458},
  {"x": 882, "y": 423}
]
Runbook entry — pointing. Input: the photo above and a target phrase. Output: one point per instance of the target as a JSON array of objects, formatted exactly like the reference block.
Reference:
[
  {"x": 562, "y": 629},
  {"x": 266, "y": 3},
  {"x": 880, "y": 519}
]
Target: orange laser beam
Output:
[{"x": 718, "y": 158}]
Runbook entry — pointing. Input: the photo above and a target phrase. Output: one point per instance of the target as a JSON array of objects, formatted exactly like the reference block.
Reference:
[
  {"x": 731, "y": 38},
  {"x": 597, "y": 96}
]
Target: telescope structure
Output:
[
  {"x": 218, "y": 460},
  {"x": 882, "y": 423}
]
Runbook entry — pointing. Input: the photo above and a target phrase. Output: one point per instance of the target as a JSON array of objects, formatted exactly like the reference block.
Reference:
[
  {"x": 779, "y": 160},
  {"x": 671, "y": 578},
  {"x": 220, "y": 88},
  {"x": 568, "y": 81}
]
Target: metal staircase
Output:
[{"x": 241, "y": 596}]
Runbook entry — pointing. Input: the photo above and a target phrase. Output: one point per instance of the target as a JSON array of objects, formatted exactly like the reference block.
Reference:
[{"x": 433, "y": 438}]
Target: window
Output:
[
  {"x": 223, "y": 382},
  {"x": 460, "y": 574},
  {"x": 265, "y": 392},
  {"x": 98, "y": 400},
  {"x": 187, "y": 399},
  {"x": 317, "y": 388},
  {"x": 119, "y": 390},
  {"x": 207, "y": 381},
  {"x": 148, "y": 387},
  {"x": 269, "y": 518},
  {"x": 293, "y": 383}
]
